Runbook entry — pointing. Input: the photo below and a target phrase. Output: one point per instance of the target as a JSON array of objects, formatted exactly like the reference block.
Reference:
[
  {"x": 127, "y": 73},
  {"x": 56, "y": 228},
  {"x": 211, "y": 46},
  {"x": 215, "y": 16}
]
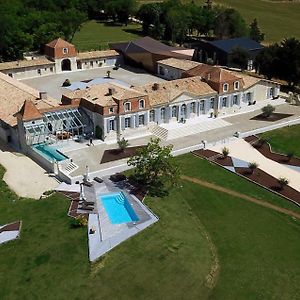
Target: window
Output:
[
  {"x": 127, "y": 106},
  {"x": 202, "y": 105},
  {"x": 250, "y": 65},
  {"x": 111, "y": 110},
  {"x": 91, "y": 63},
  {"x": 174, "y": 112},
  {"x": 141, "y": 119},
  {"x": 225, "y": 87},
  {"x": 51, "y": 69},
  {"x": 127, "y": 122},
  {"x": 163, "y": 113},
  {"x": 111, "y": 124},
  {"x": 141, "y": 104},
  {"x": 236, "y": 85},
  {"x": 271, "y": 93},
  {"x": 65, "y": 50},
  {"x": 45, "y": 69},
  {"x": 193, "y": 107},
  {"x": 224, "y": 101},
  {"x": 10, "y": 74},
  {"x": 152, "y": 116},
  {"x": 39, "y": 71},
  {"x": 183, "y": 110},
  {"x": 212, "y": 103},
  {"x": 248, "y": 97},
  {"x": 235, "y": 100}
]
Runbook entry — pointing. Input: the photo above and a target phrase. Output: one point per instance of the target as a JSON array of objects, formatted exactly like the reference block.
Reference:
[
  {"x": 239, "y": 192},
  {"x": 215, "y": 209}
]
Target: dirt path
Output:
[{"x": 241, "y": 196}]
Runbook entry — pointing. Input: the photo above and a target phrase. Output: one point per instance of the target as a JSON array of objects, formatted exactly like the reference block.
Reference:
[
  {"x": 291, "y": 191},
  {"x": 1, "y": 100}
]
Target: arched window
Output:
[
  {"x": 183, "y": 110},
  {"x": 193, "y": 107},
  {"x": 152, "y": 115},
  {"x": 127, "y": 106},
  {"x": 142, "y": 104},
  {"x": 225, "y": 87},
  {"x": 174, "y": 112},
  {"x": 163, "y": 113}
]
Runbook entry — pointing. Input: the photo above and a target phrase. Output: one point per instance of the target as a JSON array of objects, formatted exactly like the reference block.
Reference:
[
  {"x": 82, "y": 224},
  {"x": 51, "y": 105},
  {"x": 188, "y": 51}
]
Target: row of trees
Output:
[
  {"x": 281, "y": 60},
  {"x": 174, "y": 20}
]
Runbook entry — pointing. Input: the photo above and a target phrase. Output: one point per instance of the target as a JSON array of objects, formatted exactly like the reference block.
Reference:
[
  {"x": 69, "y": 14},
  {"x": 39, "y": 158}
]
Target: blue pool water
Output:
[
  {"x": 118, "y": 208},
  {"x": 49, "y": 152}
]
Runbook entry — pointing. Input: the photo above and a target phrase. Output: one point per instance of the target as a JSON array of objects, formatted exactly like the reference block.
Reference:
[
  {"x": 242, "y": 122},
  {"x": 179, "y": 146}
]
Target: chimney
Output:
[
  {"x": 155, "y": 86},
  {"x": 111, "y": 91},
  {"x": 43, "y": 96}
]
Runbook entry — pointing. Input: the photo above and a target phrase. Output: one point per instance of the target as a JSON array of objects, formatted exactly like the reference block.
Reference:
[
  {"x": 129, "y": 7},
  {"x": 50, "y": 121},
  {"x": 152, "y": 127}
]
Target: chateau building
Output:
[{"x": 59, "y": 56}]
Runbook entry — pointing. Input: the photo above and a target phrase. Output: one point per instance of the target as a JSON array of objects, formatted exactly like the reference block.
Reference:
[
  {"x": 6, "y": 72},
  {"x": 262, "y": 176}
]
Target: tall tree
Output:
[
  {"x": 239, "y": 57},
  {"x": 255, "y": 32},
  {"x": 229, "y": 24}
]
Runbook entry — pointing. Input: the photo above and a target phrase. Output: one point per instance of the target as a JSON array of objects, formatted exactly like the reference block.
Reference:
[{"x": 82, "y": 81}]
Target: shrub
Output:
[
  {"x": 290, "y": 155},
  {"x": 225, "y": 152},
  {"x": 123, "y": 144},
  {"x": 282, "y": 182},
  {"x": 80, "y": 221},
  {"x": 67, "y": 82},
  {"x": 252, "y": 166},
  {"x": 267, "y": 110}
]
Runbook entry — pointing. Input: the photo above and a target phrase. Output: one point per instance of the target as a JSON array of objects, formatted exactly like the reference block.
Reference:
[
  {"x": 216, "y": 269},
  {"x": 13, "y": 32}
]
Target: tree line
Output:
[{"x": 174, "y": 21}]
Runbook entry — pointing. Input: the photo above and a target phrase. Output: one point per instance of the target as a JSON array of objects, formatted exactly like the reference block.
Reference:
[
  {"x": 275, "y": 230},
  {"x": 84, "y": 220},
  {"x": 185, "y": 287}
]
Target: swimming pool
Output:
[
  {"x": 49, "y": 152},
  {"x": 118, "y": 208}
]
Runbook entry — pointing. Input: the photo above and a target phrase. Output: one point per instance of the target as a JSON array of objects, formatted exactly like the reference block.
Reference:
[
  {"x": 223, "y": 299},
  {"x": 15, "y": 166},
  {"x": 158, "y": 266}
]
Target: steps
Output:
[
  {"x": 70, "y": 167},
  {"x": 174, "y": 131}
]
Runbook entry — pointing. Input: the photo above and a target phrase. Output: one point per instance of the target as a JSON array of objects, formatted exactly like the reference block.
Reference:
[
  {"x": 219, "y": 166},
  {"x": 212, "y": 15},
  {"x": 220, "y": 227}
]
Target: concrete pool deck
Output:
[{"x": 106, "y": 235}]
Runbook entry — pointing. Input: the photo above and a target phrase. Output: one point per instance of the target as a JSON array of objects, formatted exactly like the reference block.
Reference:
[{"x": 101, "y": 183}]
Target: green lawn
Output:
[
  {"x": 277, "y": 20},
  {"x": 284, "y": 140},
  {"x": 258, "y": 249},
  {"x": 94, "y": 35}
]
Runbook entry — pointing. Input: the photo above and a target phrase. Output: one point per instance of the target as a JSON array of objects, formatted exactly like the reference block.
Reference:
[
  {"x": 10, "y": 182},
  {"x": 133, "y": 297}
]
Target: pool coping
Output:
[{"x": 99, "y": 240}]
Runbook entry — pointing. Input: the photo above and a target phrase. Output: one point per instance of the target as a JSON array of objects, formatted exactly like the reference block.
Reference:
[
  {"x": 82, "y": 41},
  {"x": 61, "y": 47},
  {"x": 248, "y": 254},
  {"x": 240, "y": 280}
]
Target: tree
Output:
[
  {"x": 155, "y": 167},
  {"x": 252, "y": 166},
  {"x": 229, "y": 24},
  {"x": 289, "y": 58},
  {"x": 225, "y": 152},
  {"x": 239, "y": 57},
  {"x": 282, "y": 181},
  {"x": 255, "y": 33},
  {"x": 267, "y": 61},
  {"x": 123, "y": 144},
  {"x": 267, "y": 110}
]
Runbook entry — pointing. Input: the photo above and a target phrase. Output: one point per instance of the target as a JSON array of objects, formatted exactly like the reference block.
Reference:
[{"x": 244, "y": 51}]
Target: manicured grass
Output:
[
  {"x": 258, "y": 249},
  {"x": 284, "y": 140},
  {"x": 49, "y": 261},
  {"x": 277, "y": 20},
  {"x": 199, "y": 168},
  {"x": 95, "y": 35}
]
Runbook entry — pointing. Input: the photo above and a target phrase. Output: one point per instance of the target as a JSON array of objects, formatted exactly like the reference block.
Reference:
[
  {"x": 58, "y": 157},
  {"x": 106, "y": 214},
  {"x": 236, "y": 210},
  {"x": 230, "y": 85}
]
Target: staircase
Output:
[
  {"x": 70, "y": 167},
  {"x": 167, "y": 132},
  {"x": 120, "y": 199}
]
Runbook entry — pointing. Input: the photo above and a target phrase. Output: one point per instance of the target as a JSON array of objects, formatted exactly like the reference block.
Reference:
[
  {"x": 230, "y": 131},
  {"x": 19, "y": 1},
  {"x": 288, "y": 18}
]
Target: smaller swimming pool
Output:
[
  {"x": 118, "y": 208},
  {"x": 49, "y": 152}
]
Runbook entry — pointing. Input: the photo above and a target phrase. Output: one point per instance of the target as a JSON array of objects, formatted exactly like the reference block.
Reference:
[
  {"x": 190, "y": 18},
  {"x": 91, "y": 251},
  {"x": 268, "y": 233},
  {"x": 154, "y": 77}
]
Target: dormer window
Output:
[
  {"x": 65, "y": 50},
  {"x": 127, "y": 106},
  {"x": 225, "y": 87},
  {"x": 236, "y": 85},
  {"x": 141, "y": 104},
  {"x": 111, "y": 110}
]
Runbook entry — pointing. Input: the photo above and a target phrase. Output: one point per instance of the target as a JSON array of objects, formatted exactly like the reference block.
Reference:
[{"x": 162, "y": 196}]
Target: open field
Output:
[
  {"x": 284, "y": 140},
  {"x": 94, "y": 35},
  {"x": 258, "y": 249},
  {"x": 277, "y": 19}
]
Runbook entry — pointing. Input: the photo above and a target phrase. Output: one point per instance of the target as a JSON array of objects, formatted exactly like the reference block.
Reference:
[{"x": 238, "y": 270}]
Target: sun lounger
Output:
[
  {"x": 84, "y": 202},
  {"x": 89, "y": 184},
  {"x": 98, "y": 179},
  {"x": 86, "y": 208}
]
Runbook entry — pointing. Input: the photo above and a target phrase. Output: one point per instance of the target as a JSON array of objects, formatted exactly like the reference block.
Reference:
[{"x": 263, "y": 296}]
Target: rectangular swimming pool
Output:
[
  {"x": 49, "y": 152},
  {"x": 118, "y": 208}
]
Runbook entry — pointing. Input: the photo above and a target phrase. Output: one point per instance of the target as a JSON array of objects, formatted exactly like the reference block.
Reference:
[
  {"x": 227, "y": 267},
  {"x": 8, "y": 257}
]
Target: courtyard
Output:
[{"x": 52, "y": 84}]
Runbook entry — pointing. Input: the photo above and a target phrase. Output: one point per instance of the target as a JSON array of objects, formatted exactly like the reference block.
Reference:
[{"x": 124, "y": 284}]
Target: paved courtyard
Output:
[{"x": 52, "y": 84}]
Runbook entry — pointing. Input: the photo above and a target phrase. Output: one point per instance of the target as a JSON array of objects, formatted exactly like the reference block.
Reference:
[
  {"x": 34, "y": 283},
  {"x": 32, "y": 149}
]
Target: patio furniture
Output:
[
  {"x": 117, "y": 177},
  {"x": 87, "y": 183},
  {"x": 98, "y": 179}
]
